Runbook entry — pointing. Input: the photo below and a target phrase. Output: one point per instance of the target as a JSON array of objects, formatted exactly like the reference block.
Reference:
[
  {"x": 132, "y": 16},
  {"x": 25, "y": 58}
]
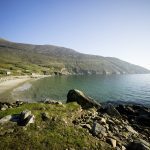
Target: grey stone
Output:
[
  {"x": 111, "y": 142},
  {"x": 123, "y": 148},
  {"x": 87, "y": 126},
  {"x": 45, "y": 116},
  {"x": 19, "y": 102},
  {"x": 30, "y": 119},
  {"x": 25, "y": 114},
  {"x": 4, "y": 107},
  {"x": 145, "y": 143},
  {"x": 130, "y": 129},
  {"x": 5, "y": 119},
  {"x": 102, "y": 120},
  {"x": 52, "y": 102},
  {"x": 98, "y": 129}
]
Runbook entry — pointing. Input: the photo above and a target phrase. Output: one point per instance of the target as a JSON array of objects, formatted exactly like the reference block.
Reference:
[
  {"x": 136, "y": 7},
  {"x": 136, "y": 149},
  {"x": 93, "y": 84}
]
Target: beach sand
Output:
[
  {"x": 8, "y": 83},
  {"x": 12, "y": 82}
]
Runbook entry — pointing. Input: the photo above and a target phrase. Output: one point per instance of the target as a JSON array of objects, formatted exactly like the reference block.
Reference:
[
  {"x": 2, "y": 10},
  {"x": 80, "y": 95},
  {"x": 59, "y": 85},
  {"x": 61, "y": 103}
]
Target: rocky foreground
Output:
[{"x": 81, "y": 123}]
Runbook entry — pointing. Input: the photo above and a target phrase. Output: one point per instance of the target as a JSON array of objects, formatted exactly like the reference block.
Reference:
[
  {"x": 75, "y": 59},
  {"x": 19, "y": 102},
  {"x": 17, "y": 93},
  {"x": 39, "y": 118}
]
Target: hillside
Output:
[{"x": 20, "y": 59}]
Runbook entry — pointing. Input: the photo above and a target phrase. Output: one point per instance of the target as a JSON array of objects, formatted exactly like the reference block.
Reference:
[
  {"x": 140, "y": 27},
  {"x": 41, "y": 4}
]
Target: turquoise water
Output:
[{"x": 132, "y": 88}]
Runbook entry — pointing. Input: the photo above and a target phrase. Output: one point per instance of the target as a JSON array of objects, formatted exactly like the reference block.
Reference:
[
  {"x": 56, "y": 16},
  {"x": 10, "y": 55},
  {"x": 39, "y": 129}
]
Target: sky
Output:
[{"x": 115, "y": 28}]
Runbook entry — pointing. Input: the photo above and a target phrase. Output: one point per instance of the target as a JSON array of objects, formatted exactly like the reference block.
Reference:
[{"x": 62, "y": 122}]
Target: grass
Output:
[{"x": 59, "y": 133}]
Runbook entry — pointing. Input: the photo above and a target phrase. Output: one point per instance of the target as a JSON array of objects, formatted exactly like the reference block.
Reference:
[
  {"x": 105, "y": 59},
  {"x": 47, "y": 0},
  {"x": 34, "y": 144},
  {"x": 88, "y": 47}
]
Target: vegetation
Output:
[
  {"x": 56, "y": 133},
  {"x": 23, "y": 59}
]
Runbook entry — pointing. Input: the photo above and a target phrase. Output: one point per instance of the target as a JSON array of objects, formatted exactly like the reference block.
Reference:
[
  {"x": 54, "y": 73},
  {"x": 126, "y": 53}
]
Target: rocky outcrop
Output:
[
  {"x": 79, "y": 97},
  {"x": 5, "y": 105},
  {"x": 117, "y": 127},
  {"x": 52, "y": 102}
]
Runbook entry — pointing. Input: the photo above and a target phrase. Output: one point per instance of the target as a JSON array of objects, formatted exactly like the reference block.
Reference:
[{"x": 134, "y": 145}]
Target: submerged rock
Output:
[{"x": 79, "y": 97}]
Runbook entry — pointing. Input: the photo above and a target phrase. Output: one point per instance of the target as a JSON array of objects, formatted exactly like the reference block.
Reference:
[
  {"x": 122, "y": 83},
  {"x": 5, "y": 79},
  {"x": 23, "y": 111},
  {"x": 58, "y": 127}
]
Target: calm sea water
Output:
[{"x": 128, "y": 88}]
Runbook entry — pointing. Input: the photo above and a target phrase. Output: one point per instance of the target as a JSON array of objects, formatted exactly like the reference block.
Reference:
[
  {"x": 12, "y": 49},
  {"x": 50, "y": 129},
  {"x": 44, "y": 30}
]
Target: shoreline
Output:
[{"x": 10, "y": 82}]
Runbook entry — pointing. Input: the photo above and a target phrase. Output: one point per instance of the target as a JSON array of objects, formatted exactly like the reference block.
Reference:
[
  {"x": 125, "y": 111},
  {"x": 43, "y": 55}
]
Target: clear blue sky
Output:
[{"x": 118, "y": 28}]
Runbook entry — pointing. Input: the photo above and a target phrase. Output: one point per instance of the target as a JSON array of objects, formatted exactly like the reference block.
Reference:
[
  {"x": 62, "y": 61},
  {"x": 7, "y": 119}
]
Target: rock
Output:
[
  {"x": 144, "y": 120},
  {"x": 45, "y": 116},
  {"x": 5, "y": 119},
  {"x": 79, "y": 97},
  {"x": 123, "y": 148},
  {"x": 112, "y": 111},
  {"x": 4, "y": 107},
  {"x": 145, "y": 143},
  {"x": 19, "y": 102},
  {"x": 26, "y": 118},
  {"x": 117, "y": 148},
  {"x": 87, "y": 126},
  {"x": 130, "y": 129},
  {"x": 98, "y": 129},
  {"x": 52, "y": 102},
  {"x": 29, "y": 119},
  {"x": 125, "y": 110},
  {"x": 25, "y": 114},
  {"x": 110, "y": 122},
  {"x": 136, "y": 146},
  {"x": 103, "y": 121},
  {"x": 111, "y": 142}
]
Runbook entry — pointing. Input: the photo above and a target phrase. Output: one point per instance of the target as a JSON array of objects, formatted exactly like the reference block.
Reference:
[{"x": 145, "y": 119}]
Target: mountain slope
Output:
[{"x": 27, "y": 58}]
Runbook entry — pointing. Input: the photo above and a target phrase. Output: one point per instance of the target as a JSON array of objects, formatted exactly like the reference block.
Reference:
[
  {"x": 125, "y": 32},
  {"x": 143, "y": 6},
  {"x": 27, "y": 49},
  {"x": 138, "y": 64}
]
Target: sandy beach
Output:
[
  {"x": 7, "y": 83},
  {"x": 12, "y": 82}
]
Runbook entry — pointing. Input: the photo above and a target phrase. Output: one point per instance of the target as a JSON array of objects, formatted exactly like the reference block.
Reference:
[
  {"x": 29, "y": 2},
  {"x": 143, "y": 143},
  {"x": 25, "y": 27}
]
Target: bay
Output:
[{"x": 126, "y": 88}]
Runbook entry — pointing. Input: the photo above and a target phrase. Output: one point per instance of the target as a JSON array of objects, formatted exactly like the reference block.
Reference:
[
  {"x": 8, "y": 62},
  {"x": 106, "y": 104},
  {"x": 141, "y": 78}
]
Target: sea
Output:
[{"x": 133, "y": 88}]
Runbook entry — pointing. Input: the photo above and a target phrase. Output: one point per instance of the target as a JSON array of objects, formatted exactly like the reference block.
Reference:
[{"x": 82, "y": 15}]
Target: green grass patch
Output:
[{"x": 59, "y": 133}]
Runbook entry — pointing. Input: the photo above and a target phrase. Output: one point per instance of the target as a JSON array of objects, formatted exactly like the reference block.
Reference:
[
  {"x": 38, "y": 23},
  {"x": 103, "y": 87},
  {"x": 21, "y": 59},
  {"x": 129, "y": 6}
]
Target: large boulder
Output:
[{"x": 79, "y": 97}]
